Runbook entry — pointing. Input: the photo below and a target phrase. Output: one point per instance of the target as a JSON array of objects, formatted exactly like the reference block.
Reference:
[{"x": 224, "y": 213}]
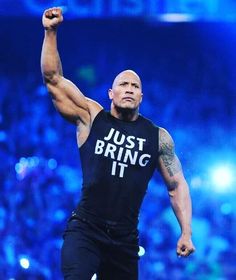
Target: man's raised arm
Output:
[
  {"x": 67, "y": 98},
  {"x": 171, "y": 171}
]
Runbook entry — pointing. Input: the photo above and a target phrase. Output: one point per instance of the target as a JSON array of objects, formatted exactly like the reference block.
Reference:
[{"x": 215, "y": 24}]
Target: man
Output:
[{"x": 119, "y": 152}]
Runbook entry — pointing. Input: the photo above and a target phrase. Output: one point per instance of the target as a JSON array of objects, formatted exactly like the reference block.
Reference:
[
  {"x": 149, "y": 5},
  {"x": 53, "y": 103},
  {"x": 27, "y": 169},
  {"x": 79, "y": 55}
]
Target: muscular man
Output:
[{"x": 119, "y": 152}]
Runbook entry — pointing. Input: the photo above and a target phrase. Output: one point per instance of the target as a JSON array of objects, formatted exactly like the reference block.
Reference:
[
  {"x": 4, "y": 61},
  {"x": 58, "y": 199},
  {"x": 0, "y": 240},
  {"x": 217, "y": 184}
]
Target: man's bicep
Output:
[{"x": 69, "y": 100}]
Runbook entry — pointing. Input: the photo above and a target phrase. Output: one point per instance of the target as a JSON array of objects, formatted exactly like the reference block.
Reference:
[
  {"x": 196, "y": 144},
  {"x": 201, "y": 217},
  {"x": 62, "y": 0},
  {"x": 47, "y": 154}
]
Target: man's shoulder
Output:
[
  {"x": 149, "y": 121},
  {"x": 165, "y": 138}
]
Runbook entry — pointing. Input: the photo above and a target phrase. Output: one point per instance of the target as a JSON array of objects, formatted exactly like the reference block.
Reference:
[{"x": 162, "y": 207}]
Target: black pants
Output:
[{"x": 108, "y": 251}]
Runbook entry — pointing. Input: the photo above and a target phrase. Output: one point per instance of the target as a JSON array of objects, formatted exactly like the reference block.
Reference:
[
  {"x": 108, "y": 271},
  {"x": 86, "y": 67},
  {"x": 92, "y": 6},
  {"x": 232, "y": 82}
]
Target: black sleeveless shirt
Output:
[{"x": 118, "y": 160}]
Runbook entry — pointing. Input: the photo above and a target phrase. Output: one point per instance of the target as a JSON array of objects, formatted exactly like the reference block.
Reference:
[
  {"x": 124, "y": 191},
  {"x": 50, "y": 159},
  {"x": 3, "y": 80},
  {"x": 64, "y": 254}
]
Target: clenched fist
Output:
[
  {"x": 185, "y": 246},
  {"x": 52, "y": 18}
]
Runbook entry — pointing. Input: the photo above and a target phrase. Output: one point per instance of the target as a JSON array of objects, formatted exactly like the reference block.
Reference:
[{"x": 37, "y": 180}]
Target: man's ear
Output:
[
  {"x": 141, "y": 98},
  {"x": 110, "y": 93}
]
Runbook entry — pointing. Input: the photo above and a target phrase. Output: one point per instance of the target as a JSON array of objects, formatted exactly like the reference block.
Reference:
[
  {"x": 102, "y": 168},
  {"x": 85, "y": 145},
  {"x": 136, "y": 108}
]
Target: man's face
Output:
[{"x": 126, "y": 92}]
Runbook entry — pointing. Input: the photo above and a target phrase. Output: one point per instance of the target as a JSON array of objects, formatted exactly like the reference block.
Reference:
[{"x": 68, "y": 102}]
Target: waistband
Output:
[{"x": 83, "y": 215}]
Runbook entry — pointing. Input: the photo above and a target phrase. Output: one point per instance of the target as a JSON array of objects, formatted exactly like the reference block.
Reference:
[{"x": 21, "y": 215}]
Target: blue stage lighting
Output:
[
  {"x": 60, "y": 215},
  {"x": 226, "y": 208},
  {"x": 52, "y": 163},
  {"x": 196, "y": 182},
  {"x": 24, "y": 262},
  {"x": 3, "y": 136},
  {"x": 175, "y": 17},
  {"x": 141, "y": 251},
  {"x": 222, "y": 178}
]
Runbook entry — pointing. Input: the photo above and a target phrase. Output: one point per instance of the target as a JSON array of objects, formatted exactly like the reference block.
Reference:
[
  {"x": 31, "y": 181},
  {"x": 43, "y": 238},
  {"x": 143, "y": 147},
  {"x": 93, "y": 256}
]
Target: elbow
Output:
[
  {"x": 172, "y": 188},
  {"x": 171, "y": 193}
]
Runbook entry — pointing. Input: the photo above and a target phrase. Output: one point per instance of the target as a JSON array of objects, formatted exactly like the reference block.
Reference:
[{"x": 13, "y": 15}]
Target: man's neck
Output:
[{"x": 125, "y": 114}]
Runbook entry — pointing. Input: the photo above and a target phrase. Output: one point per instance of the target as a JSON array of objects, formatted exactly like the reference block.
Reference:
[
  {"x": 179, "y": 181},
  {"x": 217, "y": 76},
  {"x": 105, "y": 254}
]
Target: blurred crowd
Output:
[{"x": 189, "y": 88}]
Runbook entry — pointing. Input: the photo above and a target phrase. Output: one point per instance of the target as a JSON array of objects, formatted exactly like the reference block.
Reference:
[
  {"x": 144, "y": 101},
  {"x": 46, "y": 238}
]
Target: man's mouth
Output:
[{"x": 128, "y": 98}]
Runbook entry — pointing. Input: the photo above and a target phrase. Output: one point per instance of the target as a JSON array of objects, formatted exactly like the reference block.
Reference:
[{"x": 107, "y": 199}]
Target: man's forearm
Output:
[
  {"x": 50, "y": 59},
  {"x": 182, "y": 206}
]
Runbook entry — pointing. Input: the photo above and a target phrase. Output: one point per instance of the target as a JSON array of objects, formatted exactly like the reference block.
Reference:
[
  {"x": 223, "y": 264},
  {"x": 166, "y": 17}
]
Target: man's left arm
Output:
[{"x": 171, "y": 171}]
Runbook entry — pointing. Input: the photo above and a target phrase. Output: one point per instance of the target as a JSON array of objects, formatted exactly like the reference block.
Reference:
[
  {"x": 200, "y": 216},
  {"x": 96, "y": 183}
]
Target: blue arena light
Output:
[
  {"x": 176, "y": 17},
  {"x": 24, "y": 262},
  {"x": 52, "y": 163},
  {"x": 226, "y": 208},
  {"x": 141, "y": 251},
  {"x": 222, "y": 178},
  {"x": 60, "y": 215},
  {"x": 3, "y": 136},
  {"x": 196, "y": 182}
]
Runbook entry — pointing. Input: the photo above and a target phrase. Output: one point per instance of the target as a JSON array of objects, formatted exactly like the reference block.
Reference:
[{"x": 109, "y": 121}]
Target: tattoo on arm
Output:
[{"x": 167, "y": 154}]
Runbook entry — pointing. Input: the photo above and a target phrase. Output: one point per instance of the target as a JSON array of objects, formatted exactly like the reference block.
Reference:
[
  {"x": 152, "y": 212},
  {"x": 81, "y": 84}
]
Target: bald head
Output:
[
  {"x": 127, "y": 74},
  {"x": 126, "y": 94}
]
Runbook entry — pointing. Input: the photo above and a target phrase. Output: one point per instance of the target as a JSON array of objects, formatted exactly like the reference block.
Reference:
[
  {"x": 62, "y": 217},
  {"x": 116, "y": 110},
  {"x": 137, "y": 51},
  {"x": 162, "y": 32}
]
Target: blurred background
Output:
[{"x": 184, "y": 51}]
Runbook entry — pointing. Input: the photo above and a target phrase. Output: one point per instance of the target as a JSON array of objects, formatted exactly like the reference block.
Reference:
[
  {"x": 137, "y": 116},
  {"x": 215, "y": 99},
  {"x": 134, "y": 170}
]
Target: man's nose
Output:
[{"x": 129, "y": 89}]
